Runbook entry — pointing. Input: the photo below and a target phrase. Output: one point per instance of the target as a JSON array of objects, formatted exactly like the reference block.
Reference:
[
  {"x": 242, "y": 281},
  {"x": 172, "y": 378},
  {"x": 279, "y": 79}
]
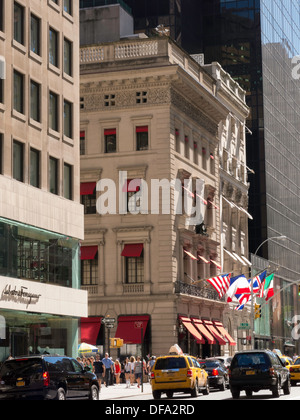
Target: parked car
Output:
[
  {"x": 256, "y": 370},
  {"x": 217, "y": 373},
  {"x": 178, "y": 373},
  {"x": 295, "y": 372},
  {"x": 46, "y": 377},
  {"x": 226, "y": 360}
]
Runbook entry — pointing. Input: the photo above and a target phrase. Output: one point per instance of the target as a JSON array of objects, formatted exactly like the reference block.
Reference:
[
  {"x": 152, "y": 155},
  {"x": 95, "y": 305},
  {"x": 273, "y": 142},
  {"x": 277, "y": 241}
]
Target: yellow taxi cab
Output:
[
  {"x": 295, "y": 372},
  {"x": 287, "y": 361},
  {"x": 178, "y": 372}
]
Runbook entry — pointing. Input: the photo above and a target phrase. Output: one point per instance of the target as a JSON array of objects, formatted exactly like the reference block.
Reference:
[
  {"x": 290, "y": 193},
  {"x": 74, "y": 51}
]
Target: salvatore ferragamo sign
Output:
[{"x": 19, "y": 295}]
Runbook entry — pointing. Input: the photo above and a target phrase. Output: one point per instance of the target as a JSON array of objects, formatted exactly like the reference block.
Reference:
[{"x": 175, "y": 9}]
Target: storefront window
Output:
[
  {"x": 24, "y": 333},
  {"x": 34, "y": 254}
]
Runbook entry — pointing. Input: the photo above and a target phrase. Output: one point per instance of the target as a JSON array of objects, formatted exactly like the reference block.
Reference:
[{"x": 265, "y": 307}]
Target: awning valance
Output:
[
  {"x": 204, "y": 331},
  {"x": 89, "y": 329},
  {"x": 89, "y": 252},
  {"x": 130, "y": 328},
  {"x": 210, "y": 326},
  {"x": 132, "y": 250},
  {"x": 87, "y": 188},
  {"x": 224, "y": 332},
  {"x": 187, "y": 322}
]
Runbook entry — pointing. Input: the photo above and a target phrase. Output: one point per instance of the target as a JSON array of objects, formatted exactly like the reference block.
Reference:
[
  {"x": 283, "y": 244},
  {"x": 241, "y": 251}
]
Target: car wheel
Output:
[
  {"x": 94, "y": 393},
  {"x": 194, "y": 392},
  {"x": 206, "y": 389},
  {"x": 276, "y": 389},
  {"x": 287, "y": 387},
  {"x": 249, "y": 392},
  {"x": 222, "y": 386},
  {"x": 235, "y": 393},
  {"x": 156, "y": 395},
  {"x": 61, "y": 394},
  {"x": 170, "y": 394}
]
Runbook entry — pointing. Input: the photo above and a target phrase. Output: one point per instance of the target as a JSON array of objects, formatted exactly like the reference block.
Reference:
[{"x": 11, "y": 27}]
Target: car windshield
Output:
[
  {"x": 297, "y": 361},
  {"x": 250, "y": 360},
  {"x": 21, "y": 367},
  {"x": 170, "y": 363}
]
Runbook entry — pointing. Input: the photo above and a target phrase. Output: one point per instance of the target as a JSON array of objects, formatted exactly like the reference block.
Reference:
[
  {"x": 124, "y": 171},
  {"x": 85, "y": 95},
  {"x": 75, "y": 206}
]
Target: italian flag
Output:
[{"x": 267, "y": 289}]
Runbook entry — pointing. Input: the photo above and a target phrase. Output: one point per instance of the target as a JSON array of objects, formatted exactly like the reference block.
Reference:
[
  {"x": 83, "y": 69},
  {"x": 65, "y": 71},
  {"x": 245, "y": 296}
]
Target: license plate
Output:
[
  {"x": 250, "y": 372},
  {"x": 20, "y": 382}
]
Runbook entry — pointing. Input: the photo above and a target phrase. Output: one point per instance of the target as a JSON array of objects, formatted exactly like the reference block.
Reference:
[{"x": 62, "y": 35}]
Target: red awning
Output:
[
  {"x": 89, "y": 329},
  {"x": 132, "y": 250},
  {"x": 110, "y": 132},
  {"x": 89, "y": 252},
  {"x": 87, "y": 188},
  {"x": 224, "y": 332},
  {"x": 132, "y": 185},
  {"x": 130, "y": 328},
  {"x": 214, "y": 332},
  {"x": 204, "y": 331},
  {"x": 190, "y": 327},
  {"x": 142, "y": 129}
]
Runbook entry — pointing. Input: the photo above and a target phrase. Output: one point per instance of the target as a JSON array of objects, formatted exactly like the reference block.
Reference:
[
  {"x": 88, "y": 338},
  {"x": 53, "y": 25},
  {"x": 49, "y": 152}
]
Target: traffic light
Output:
[
  {"x": 116, "y": 343},
  {"x": 298, "y": 289},
  {"x": 257, "y": 311}
]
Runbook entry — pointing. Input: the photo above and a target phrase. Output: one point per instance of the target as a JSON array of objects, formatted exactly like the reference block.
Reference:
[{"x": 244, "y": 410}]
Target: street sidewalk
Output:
[{"x": 116, "y": 392}]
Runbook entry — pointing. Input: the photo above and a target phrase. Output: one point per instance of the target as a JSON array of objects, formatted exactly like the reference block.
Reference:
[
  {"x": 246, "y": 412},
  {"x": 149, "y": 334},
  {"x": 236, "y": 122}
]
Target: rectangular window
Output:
[
  {"x": 110, "y": 140},
  {"x": 18, "y": 92},
  {"x": 53, "y": 111},
  {"x": 1, "y": 89},
  {"x": 53, "y": 47},
  {"x": 134, "y": 269},
  {"x": 68, "y": 181},
  {"x": 35, "y": 101},
  {"x": 53, "y": 175},
  {"x": 68, "y": 6},
  {"x": 34, "y": 168},
  {"x": 89, "y": 271},
  {"x": 142, "y": 138},
  {"x": 82, "y": 142},
  {"x": 1, "y": 153},
  {"x": 19, "y": 23},
  {"x": 68, "y": 57},
  {"x": 35, "y": 35},
  {"x": 68, "y": 119},
  {"x": 18, "y": 161},
  {"x": 2, "y": 15}
]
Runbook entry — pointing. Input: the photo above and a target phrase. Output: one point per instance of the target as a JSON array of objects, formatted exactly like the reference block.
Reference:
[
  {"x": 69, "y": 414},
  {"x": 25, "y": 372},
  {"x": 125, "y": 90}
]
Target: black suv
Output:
[
  {"x": 46, "y": 377},
  {"x": 256, "y": 370}
]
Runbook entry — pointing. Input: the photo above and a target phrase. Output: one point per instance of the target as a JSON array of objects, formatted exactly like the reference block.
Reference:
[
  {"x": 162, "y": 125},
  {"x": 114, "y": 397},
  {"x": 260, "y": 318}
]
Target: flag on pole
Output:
[
  {"x": 258, "y": 281},
  {"x": 239, "y": 285},
  {"x": 267, "y": 289},
  {"x": 220, "y": 283}
]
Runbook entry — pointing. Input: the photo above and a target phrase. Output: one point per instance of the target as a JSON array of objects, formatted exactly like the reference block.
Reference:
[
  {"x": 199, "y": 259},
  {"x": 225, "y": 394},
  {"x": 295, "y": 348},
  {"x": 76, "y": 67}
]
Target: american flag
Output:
[{"x": 220, "y": 283}]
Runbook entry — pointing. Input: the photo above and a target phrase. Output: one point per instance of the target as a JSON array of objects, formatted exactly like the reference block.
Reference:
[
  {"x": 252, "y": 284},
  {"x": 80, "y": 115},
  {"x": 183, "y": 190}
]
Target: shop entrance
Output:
[{"x": 19, "y": 344}]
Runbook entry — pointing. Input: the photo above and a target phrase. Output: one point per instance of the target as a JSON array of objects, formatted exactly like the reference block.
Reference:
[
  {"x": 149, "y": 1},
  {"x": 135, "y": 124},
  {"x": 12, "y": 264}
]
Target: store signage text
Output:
[{"x": 20, "y": 295}]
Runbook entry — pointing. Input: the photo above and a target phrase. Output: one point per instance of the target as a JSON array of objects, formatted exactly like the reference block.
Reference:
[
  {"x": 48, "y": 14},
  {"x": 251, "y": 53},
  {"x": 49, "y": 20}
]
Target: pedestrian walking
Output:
[
  {"x": 132, "y": 361},
  {"x": 117, "y": 371},
  {"x": 108, "y": 367},
  {"x": 127, "y": 370},
  {"x": 98, "y": 369},
  {"x": 138, "y": 370}
]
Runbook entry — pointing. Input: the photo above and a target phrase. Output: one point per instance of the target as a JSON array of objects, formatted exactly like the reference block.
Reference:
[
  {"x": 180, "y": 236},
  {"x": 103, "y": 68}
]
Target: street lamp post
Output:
[{"x": 252, "y": 274}]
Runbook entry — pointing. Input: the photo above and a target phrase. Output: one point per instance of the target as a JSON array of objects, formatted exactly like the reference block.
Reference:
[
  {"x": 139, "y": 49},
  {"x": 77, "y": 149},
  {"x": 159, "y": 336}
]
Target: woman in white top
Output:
[
  {"x": 127, "y": 369},
  {"x": 132, "y": 361}
]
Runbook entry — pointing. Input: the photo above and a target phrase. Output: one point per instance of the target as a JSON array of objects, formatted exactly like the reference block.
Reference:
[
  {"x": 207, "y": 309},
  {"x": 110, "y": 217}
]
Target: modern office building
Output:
[
  {"x": 41, "y": 218},
  {"x": 255, "y": 42}
]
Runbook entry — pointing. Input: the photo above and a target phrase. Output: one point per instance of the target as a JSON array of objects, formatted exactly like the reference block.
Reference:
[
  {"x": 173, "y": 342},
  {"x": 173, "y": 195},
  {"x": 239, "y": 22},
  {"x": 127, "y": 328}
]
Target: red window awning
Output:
[
  {"x": 130, "y": 328},
  {"x": 132, "y": 250},
  {"x": 89, "y": 252},
  {"x": 203, "y": 330},
  {"x": 190, "y": 327},
  {"x": 215, "y": 333},
  {"x": 87, "y": 188},
  {"x": 132, "y": 185},
  {"x": 142, "y": 129},
  {"x": 224, "y": 332},
  {"x": 89, "y": 329},
  {"x": 110, "y": 132}
]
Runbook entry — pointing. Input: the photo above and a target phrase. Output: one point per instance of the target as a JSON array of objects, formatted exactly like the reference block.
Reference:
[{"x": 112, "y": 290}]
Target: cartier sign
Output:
[{"x": 19, "y": 295}]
